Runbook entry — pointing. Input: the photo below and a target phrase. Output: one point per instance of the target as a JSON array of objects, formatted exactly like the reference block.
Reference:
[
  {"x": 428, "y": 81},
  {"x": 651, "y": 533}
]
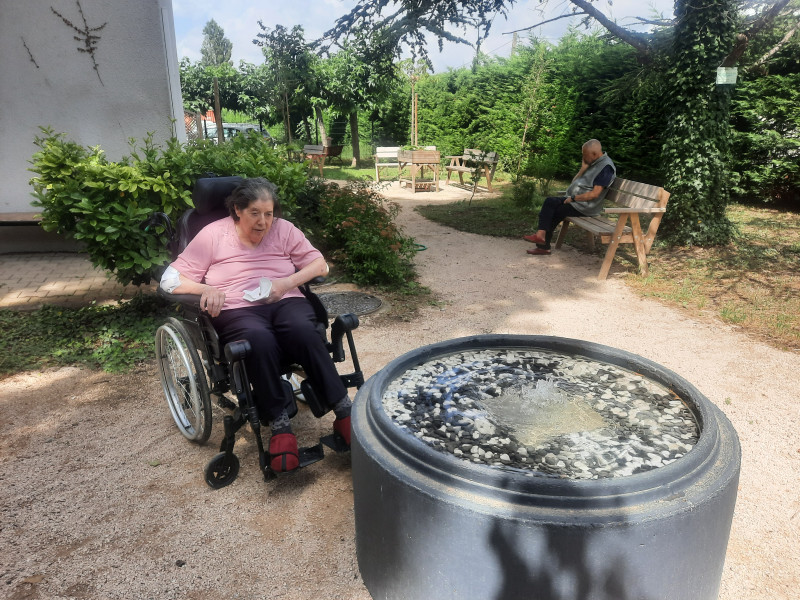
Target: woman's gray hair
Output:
[{"x": 250, "y": 190}]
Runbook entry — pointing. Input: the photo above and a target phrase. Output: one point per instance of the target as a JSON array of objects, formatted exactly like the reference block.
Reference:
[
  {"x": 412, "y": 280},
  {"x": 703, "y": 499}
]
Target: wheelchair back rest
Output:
[{"x": 208, "y": 198}]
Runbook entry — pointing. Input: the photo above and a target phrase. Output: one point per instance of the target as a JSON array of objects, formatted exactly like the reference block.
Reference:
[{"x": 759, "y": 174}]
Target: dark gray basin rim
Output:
[{"x": 541, "y": 490}]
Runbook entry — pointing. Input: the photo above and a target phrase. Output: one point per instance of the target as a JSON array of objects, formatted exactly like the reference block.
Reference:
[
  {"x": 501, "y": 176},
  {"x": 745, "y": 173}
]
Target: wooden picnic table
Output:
[{"x": 416, "y": 161}]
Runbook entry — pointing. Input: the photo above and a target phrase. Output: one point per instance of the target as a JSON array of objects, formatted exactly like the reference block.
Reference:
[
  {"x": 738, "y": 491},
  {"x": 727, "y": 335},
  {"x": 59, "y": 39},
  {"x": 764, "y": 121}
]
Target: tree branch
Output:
[
  {"x": 569, "y": 16},
  {"x": 657, "y": 22},
  {"x": 776, "y": 48},
  {"x": 743, "y": 39},
  {"x": 637, "y": 40}
]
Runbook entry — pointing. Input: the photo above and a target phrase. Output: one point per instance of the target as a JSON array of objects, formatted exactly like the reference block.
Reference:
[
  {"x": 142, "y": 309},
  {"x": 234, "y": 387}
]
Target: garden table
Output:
[{"x": 416, "y": 161}]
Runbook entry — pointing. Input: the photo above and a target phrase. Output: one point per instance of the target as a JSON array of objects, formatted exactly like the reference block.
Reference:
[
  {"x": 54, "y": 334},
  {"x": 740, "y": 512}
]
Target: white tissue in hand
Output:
[{"x": 261, "y": 292}]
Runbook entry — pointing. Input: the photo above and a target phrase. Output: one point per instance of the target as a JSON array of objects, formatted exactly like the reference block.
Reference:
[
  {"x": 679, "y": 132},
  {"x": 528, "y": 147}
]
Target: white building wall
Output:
[{"x": 46, "y": 81}]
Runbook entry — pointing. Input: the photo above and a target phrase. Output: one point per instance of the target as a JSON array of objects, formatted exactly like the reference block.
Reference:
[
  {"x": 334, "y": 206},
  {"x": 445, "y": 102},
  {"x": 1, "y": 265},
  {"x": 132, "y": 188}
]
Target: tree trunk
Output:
[
  {"x": 696, "y": 147},
  {"x": 321, "y": 126},
  {"x": 354, "y": 138},
  {"x": 218, "y": 114},
  {"x": 286, "y": 122}
]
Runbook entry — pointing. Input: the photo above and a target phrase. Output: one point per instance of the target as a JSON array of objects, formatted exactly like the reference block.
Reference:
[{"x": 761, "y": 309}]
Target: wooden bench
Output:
[
  {"x": 632, "y": 199},
  {"x": 316, "y": 154},
  {"x": 381, "y": 156},
  {"x": 485, "y": 162}
]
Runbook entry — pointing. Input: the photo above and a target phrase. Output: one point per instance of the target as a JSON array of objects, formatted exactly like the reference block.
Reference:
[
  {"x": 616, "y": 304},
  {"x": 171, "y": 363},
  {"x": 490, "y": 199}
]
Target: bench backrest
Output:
[
  {"x": 632, "y": 194},
  {"x": 386, "y": 152},
  {"x": 479, "y": 155},
  {"x": 310, "y": 149}
]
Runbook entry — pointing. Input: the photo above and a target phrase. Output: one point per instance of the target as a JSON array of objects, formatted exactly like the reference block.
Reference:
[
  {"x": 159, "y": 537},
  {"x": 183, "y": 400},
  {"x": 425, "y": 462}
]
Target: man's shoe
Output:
[
  {"x": 538, "y": 251},
  {"x": 534, "y": 239}
]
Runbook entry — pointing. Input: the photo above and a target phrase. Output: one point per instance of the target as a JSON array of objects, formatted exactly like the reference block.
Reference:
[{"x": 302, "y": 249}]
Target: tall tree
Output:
[
  {"x": 289, "y": 62},
  {"x": 216, "y": 49},
  {"x": 707, "y": 34},
  {"x": 357, "y": 77}
]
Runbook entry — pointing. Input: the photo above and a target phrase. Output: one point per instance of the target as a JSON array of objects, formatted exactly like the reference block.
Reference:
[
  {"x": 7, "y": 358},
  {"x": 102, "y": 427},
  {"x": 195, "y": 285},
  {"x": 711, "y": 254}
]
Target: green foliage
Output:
[
  {"x": 197, "y": 86},
  {"x": 524, "y": 193},
  {"x": 104, "y": 204},
  {"x": 357, "y": 229},
  {"x": 114, "y": 337},
  {"x": 696, "y": 149},
  {"x": 216, "y": 48},
  {"x": 765, "y": 144},
  {"x": 288, "y": 74}
]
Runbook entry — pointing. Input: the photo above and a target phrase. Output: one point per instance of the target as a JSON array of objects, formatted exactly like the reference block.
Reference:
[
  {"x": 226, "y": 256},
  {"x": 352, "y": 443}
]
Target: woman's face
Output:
[{"x": 255, "y": 220}]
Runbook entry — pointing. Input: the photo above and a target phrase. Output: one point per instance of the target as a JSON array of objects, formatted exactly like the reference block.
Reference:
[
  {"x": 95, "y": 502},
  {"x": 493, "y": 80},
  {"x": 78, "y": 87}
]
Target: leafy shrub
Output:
[
  {"x": 357, "y": 229},
  {"x": 523, "y": 194},
  {"x": 104, "y": 204}
]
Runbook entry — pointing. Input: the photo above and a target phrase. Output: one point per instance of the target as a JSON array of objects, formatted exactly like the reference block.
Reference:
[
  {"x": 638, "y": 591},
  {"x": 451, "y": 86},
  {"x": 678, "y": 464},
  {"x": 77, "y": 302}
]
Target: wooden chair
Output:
[{"x": 385, "y": 158}]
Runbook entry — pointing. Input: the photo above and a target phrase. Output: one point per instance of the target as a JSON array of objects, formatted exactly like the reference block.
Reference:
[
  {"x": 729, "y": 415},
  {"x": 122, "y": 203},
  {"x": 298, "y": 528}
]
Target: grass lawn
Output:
[{"x": 752, "y": 283}]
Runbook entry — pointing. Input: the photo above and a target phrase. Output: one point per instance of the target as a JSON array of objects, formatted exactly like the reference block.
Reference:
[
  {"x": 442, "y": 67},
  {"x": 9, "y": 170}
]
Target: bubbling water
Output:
[
  {"x": 535, "y": 413},
  {"x": 540, "y": 411}
]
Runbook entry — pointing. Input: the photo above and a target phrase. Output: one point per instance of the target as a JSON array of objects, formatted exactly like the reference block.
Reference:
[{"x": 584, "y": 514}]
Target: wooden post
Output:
[
  {"x": 416, "y": 101},
  {"x": 218, "y": 113}
]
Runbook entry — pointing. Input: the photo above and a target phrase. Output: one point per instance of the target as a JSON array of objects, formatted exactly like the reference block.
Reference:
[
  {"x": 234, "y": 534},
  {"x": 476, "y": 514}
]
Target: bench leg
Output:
[
  {"x": 562, "y": 233},
  {"x": 488, "y": 178},
  {"x": 638, "y": 243},
  {"x": 612, "y": 247}
]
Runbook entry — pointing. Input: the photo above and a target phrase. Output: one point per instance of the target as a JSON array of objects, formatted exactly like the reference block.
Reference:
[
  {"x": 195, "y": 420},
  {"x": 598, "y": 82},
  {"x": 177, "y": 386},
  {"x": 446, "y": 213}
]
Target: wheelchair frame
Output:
[{"x": 193, "y": 366}]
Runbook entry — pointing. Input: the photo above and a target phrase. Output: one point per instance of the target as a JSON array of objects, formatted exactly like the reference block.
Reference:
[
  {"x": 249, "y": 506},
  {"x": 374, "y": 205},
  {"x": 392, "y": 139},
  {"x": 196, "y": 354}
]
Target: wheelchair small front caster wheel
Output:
[{"x": 222, "y": 470}]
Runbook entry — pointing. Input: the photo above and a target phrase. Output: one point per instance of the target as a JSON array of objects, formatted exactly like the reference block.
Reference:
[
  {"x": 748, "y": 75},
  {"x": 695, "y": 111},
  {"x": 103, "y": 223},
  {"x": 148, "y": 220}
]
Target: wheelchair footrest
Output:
[
  {"x": 335, "y": 442},
  {"x": 309, "y": 456}
]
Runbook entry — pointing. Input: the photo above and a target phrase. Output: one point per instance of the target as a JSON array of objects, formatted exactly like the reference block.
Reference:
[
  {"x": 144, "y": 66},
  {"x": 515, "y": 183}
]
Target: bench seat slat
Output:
[{"x": 642, "y": 210}]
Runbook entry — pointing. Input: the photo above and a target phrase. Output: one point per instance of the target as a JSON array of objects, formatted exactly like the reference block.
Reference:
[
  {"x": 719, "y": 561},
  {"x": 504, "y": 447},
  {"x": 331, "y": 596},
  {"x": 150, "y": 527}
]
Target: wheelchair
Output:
[{"x": 194, "y": 366}]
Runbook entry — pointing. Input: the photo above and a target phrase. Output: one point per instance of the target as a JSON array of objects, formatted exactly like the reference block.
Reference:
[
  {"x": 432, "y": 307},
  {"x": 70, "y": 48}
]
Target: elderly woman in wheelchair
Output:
[{"x": 250, "y": 271}]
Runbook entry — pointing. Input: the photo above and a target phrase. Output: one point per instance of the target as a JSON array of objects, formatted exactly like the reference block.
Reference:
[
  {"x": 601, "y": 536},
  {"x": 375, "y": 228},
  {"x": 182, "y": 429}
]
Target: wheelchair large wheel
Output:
[{"x": 183, "y": 379}]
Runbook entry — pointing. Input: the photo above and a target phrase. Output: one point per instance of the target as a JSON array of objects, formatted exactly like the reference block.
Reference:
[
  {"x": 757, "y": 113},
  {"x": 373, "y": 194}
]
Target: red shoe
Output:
[
  {"x": 534, "y": 239},
  {"x": 342, "y": 427},
  {"x": 538, "y": 251},
  {"x": 283, "y": 454}
]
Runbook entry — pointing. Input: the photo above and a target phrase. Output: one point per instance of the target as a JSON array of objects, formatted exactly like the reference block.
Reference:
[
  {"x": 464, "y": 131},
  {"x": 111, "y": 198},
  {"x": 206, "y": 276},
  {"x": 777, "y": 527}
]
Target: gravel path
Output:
[{"x": 101, "y": 498}]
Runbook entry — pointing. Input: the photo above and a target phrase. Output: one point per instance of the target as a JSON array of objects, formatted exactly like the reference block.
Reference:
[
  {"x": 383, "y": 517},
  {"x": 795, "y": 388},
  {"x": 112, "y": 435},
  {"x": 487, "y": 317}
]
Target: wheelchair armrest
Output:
[
  {"x": 191, "y": 300},
  {"x": 343, "y": 324},
  {"x": 237, "y": 350}
]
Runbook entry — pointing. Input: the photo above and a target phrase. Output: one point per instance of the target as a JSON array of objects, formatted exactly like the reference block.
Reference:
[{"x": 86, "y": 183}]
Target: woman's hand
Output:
[
  {"x": 279, "y": 289},
  {"x": 211, "y": 300}
]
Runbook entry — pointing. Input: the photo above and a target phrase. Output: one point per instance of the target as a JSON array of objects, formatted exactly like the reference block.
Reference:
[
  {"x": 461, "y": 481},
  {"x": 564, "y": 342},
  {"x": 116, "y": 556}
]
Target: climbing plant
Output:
[{"x": 696, "y": 145}]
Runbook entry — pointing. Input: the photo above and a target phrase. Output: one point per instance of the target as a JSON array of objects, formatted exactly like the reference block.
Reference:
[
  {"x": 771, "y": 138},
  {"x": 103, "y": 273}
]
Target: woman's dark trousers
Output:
[{"x": 280, "y": 334}]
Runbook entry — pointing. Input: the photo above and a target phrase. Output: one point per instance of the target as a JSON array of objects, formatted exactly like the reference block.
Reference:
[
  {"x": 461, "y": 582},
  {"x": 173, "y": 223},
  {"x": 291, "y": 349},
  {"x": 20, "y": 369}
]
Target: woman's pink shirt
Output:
[{"x": 218, "y": 258}]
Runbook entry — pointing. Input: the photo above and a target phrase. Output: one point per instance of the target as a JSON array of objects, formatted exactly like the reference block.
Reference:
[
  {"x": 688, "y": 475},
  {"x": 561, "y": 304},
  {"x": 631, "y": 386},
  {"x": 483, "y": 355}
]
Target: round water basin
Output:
[{"x": 539, "y": 467}]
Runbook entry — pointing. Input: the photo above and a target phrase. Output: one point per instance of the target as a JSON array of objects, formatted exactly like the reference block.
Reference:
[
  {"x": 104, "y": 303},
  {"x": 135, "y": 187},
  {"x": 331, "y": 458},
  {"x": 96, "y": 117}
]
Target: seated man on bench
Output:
[{"x": 584, "y": 197}]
